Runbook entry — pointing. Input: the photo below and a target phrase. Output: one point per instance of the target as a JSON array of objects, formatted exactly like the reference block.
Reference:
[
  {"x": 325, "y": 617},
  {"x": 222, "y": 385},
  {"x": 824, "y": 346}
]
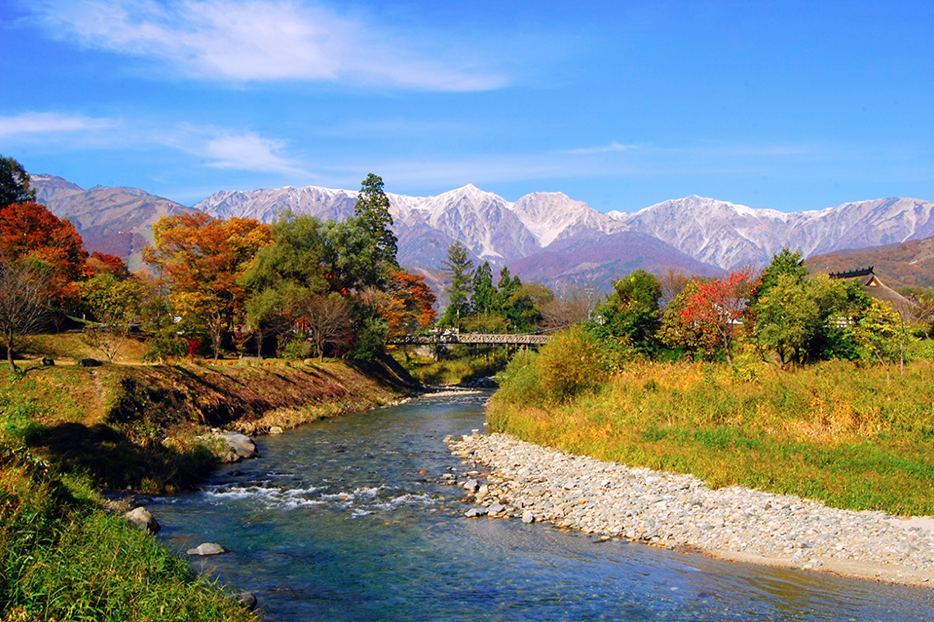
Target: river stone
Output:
[
  {"x": 471, "y": 485},
  {"x": 247, "y": 600},
  {"x": 496, "y": 508},
  {"x": 240, "y": 444},
  {"x": 528, "y": 517},
  {"x": 230, "y": 457},
  {"x": 142, "y": 519},
  {"x": 208, "y": 548},
  {"x": 475, "y": 512}
]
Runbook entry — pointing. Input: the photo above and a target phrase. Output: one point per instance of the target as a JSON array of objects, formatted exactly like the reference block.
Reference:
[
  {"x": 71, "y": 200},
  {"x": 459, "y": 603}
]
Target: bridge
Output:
[{"x": 471, "y": 338}]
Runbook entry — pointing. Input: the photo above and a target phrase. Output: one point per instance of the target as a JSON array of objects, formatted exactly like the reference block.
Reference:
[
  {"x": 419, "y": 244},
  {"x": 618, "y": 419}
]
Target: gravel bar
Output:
[{"x": 539, "y": 484}]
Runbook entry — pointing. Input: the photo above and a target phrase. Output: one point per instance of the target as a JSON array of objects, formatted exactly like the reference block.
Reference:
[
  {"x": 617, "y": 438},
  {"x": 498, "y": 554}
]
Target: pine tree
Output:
[
  {"x": 372, "y": 214},
  {"x": 459, "y": 268}
]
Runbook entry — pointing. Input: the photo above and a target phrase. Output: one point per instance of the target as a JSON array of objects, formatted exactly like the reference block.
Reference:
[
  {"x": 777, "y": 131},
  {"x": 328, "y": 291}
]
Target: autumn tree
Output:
[
  {"x": 879, "y": 333},
  {"x": 14, "y": 183},
  {"x": 24, "y": 301},
  {"x": 673, "y": 283},
  {"x": 30, "y": 230},
  {"x": 677, "y": 330},
  {"x": 718, "y": 307},
  {"x": 409, "y": 307},
  {"x": 202, "y": 258},
  {"x": 103, "y": 263}
]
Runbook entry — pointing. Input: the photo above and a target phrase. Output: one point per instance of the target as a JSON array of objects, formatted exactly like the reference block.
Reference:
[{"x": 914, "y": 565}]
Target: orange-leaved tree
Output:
[
  {"x": 200, "y": 258},
  {"x": 410, "y": 305},
  {"x": 30, "y": 231},
  {"x": 717, "y": 307},
  {"x": 102, "y": 263}
]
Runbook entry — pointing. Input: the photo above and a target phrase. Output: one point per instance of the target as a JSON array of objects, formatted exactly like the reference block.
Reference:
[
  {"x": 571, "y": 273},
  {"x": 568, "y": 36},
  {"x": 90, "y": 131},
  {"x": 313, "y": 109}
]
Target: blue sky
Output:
[{"x": 782, "y": 105}]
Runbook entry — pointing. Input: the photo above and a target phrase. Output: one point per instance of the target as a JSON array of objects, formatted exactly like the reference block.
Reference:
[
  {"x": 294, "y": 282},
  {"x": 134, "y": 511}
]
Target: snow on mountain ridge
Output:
[{"x": 721, "y": 233}]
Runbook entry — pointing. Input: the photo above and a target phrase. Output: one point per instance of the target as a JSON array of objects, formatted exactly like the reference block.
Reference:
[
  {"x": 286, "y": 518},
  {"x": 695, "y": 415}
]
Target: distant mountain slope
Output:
[
  {"x": 597, "y": 260},
  {"x": 910, "y": 264},
  {"x": 730, "y": 235},
  {"x": 116, "y": 221}
]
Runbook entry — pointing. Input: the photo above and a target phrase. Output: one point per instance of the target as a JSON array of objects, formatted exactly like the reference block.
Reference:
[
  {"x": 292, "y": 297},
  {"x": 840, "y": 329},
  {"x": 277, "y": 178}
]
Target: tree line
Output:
[
  {"x": 788, "y": 315},
  {"x": 300, "y": 287}
]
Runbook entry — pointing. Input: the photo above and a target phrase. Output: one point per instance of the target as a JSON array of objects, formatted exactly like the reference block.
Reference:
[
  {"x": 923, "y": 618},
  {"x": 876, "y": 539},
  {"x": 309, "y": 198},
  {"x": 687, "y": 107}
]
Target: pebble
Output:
[{"x": 672, "y": 510}]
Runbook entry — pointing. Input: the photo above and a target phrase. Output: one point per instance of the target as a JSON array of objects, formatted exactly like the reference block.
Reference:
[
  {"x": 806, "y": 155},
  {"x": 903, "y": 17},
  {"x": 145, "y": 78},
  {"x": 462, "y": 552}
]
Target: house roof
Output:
[{"x": 874, "y": 287}]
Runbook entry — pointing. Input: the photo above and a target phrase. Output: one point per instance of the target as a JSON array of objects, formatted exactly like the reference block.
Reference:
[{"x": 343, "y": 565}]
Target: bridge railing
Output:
[{"x": 450, "y": 338}]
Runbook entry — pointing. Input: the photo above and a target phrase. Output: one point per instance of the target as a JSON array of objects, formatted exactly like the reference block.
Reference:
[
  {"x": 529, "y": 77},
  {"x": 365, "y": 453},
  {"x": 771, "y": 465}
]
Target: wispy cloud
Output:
[
  {"x": 243, "y": 151},
  {"x": 612, "y": 147},
  {"x": 49, "y": 123},
  {"x": 264, "y": 40}
]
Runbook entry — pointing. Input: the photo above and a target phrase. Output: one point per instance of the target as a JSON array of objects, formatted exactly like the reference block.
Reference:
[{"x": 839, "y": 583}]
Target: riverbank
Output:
[
  {"x": 148, "y": 428},
  {"x": 536, "y": 483},
  {"x": 69, "y": 431}
]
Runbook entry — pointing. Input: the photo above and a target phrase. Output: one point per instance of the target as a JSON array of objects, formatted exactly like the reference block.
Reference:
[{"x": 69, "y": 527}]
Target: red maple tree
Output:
[{"x": 718, "y": 306}]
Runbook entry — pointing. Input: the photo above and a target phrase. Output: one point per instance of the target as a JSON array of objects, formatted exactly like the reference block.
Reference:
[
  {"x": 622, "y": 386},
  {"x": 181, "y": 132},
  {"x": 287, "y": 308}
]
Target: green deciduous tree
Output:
[
  {"x": 631, "y": 311},
  {"x": 803, "y": 320},
  {"x": 14, "y": 183},
  {"x": 116, "y": 305},
  {"x": 879, "y": 333}
]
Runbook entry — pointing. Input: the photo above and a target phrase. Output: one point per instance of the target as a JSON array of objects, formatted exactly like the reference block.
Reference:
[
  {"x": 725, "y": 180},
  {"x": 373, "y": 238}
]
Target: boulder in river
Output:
[
  {"x": 142, "y": 519},
  {"x": 207, "y": 548},
  {"x": 239, "y": 444},
  {"x": 247, "y": 600}
]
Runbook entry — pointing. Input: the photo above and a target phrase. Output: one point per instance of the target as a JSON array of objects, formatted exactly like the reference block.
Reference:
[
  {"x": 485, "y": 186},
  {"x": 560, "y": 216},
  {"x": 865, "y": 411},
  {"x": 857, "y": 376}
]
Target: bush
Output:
[{"x": 520, "y": 383}]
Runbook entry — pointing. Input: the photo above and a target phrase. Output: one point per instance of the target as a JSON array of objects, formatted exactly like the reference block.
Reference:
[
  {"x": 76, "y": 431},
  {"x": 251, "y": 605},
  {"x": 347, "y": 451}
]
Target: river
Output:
[{"x": 347, "y": 519}]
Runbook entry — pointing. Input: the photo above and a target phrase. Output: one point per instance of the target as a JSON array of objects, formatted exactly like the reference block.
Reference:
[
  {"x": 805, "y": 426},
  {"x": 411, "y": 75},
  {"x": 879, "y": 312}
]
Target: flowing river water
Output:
[{"x": 348, "y": 520}]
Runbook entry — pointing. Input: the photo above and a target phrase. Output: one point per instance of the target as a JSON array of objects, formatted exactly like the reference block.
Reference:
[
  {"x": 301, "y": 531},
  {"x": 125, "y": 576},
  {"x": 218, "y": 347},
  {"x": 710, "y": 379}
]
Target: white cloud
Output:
[
  {"x": 45, "y": 123},
  {"x": 612, "y": 147},
  {"x": 262, "y": 40},
  {"x": 244, "y": 151}
]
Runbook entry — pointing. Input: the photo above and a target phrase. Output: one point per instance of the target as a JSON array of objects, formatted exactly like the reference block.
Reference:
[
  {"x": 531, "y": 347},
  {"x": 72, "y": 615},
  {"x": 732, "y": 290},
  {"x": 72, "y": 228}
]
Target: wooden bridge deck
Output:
[{"x": 446, "y": 338}]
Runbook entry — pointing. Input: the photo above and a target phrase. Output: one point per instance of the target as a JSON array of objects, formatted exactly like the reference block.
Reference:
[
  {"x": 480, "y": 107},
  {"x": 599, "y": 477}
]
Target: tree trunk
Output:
[{"x": 9, "y": 353}]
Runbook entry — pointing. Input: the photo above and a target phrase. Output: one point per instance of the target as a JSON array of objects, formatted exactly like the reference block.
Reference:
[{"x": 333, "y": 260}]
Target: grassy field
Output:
[{"x": 837, "y": 432}]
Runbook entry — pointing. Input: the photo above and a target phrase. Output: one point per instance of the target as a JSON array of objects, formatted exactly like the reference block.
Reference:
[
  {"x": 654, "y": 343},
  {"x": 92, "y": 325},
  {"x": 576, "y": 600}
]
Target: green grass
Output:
[
  {"x": 836, "y": 432},
  {"x": 63, "y": 558},
  {"x": 459, "y": 366}
]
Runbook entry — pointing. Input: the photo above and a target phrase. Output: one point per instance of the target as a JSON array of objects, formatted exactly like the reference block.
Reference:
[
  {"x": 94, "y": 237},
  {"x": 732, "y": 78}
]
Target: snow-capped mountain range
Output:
[
  {"x": 547, "y": 236},
  {"x": 715, "y": 232}
]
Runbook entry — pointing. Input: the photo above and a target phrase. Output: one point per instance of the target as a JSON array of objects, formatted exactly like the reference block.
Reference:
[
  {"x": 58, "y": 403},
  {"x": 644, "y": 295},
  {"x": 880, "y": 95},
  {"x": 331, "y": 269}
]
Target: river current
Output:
[{"x": 347, "y": 519}]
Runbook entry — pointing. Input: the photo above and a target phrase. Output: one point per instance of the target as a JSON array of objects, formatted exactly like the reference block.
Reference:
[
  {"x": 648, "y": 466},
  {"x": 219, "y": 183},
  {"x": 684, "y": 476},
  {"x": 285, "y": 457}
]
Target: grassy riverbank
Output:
[
  {"x": 836, "y": 432},
  {"x": 459, "y": 366},
  {"x": 67, "y": 432}
]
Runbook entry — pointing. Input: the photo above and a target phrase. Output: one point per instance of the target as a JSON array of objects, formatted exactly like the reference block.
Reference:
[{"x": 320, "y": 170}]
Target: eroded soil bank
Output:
[{"x": 143, "y": 427}]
